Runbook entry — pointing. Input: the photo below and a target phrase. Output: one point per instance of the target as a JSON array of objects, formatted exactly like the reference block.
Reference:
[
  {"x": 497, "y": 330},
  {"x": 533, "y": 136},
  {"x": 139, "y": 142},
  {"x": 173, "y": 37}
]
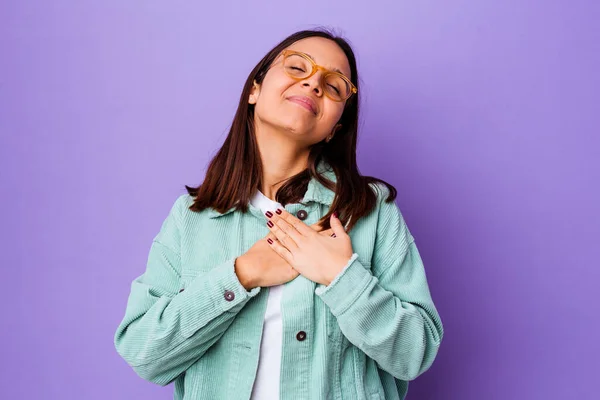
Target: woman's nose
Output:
[{"x": 314, "y": 82}]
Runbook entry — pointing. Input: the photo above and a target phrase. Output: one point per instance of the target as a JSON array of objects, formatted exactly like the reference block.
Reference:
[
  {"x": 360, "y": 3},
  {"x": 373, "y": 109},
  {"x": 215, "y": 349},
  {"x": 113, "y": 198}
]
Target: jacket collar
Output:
[{"x": 314, "y": 192}]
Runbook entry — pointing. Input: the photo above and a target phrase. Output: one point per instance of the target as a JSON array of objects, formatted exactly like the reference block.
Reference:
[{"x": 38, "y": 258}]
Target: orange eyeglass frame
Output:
[{"x": 315, "y": 68}]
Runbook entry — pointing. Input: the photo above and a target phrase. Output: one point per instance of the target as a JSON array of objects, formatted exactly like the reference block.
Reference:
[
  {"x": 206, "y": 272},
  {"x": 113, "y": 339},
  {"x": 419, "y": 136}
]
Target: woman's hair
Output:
[{"x": 235, "y": 172}]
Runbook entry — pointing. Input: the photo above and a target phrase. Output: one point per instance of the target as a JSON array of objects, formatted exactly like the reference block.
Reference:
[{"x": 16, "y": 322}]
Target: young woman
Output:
[{"x": 285, "y": 274}]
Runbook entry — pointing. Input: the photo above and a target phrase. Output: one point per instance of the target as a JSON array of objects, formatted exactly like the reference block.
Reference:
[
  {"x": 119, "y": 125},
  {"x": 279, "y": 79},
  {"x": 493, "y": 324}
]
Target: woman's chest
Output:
[{"x": 208, "y": 242}]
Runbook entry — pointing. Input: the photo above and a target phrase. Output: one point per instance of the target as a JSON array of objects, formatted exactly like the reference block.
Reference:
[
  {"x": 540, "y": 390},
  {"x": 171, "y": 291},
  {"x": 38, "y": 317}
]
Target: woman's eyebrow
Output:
[{"x": 333, "y": 69}]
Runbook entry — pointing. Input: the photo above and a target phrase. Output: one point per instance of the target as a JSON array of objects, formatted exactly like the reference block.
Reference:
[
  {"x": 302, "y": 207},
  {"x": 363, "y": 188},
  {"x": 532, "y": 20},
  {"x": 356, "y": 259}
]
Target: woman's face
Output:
[{"x": 279, "y": 99}]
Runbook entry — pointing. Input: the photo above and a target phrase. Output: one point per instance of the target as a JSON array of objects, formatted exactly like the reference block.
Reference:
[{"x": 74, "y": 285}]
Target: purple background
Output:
[{"x": 484, "y": 115}]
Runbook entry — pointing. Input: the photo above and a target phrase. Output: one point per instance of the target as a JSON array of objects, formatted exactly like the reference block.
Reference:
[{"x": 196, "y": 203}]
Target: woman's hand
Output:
[
  {"x": 260, "y": 266},
  {"x": 317, "y": 256}
]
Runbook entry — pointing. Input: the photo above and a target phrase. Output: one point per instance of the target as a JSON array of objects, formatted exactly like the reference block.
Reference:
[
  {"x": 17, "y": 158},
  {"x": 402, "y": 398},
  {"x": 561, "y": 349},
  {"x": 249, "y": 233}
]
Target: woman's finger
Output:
[
  {"x": 281, "y": 250},
  {"x": 284, "y": 237},
  {"x": 294, "y": 222},
  {"x": 271, "y": 236},
  {"x": 280, "y": 224},
  {"x": 326, "y": 232}
]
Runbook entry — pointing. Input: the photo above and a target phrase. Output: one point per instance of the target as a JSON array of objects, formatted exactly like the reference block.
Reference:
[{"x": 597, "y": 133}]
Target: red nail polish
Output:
[
  {"x": 335, "y": 214},
  {"x": 269, "y": 240},
  {"x": 269, "y": 214},
  {"x": 278, "y": 211},
  {"x": 270, "y": 224}
]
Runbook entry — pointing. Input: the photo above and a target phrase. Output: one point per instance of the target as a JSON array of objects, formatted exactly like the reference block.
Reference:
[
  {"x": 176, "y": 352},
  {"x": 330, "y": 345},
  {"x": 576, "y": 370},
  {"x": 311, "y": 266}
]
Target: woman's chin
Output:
[{"x": 296, "y": 129}]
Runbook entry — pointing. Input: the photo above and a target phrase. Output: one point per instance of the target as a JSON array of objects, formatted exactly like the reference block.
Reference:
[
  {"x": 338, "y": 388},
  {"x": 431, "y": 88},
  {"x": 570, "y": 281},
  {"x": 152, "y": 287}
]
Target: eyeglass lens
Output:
[{"x": 299, "y": 67}]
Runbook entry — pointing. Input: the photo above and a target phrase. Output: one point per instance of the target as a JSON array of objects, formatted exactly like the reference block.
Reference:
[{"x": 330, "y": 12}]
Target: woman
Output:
[{"x": 254, "y": 286}]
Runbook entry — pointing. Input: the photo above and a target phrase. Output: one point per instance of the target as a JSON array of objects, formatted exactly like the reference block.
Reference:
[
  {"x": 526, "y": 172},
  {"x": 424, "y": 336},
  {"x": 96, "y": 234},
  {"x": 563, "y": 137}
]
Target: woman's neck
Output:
[{"x": 281, "y": 159}]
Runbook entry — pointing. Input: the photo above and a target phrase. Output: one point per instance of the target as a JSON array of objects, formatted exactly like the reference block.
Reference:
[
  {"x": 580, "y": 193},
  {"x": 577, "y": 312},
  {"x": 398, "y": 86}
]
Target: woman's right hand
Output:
[{"x": 262, "y": 266}]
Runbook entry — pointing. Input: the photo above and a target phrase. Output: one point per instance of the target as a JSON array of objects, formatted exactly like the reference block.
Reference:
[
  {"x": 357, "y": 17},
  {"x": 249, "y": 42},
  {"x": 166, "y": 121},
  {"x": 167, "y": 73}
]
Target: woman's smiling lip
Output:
[{"x": 305, "y": 102}]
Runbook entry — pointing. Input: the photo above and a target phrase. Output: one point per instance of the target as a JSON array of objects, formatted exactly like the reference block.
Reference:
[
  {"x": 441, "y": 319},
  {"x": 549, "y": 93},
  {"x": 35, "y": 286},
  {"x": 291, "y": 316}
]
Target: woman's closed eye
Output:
[{"x": 334, "y": 88}]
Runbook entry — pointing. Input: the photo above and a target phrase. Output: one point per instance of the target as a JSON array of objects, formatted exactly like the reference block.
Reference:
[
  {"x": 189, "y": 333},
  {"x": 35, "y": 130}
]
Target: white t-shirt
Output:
[{"x": 266, "y": 385}]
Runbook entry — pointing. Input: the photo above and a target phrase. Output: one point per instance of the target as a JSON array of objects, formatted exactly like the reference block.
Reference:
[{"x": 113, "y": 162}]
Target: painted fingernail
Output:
[
  {"x": 278, "y": 211},
  {"x": 334, "y": 235},
  {"x": 335, "y": 214},
  {"x": 269, "y": 214},
  {"x": 270, "y": 224},
  {"x": 270, "y": 241}
]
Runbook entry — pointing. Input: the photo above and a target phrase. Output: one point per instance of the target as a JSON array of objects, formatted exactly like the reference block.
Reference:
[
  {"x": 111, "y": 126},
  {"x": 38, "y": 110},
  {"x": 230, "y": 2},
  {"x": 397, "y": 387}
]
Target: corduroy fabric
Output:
[{"x": 367, "y": 334}]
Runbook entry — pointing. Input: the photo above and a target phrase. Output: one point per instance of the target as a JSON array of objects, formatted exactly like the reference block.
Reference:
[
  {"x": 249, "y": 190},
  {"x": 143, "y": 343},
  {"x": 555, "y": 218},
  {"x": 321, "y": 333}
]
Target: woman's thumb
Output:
[{"x": 336, "y": 224}]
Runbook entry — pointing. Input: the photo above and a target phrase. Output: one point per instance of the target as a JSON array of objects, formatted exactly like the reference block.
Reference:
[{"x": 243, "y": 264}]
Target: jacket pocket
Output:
[
  {"x": 368, "y": 383},
  {"x": 334, "y": 333}
]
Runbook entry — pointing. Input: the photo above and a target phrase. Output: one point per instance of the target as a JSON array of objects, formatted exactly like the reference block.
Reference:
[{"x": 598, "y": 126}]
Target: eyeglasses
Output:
[{"x": 300, "y": 66}]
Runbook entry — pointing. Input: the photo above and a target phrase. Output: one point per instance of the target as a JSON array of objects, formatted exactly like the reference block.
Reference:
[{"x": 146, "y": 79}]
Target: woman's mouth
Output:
[{"x": 304, "y": 101}]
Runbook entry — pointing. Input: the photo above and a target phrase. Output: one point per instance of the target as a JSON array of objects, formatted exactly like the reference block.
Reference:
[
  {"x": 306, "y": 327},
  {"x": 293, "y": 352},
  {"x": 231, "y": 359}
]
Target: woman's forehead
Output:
[{"x": 324, "y": 52}]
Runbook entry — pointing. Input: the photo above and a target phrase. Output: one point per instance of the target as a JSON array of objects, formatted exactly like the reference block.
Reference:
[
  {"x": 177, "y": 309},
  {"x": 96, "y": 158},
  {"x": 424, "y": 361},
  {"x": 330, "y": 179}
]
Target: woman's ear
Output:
[{"x": 254, "y": 92}]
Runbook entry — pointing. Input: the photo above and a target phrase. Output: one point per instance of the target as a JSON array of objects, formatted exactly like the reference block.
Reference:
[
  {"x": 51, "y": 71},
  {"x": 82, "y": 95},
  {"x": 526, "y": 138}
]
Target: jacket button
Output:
[
  {"x": 302, "y": 214},
  {"x": 229, "y": 295},
  {"x": 181, "y": 290},
  {"x": 301, "y": 336}
]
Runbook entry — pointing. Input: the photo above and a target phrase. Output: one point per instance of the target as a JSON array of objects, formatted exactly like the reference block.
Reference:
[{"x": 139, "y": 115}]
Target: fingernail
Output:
[
  {"x": 269, "y": 214},
  {"x": 278, "y": 211},
  {"x": 335, "y": 214},
  {"x": 334, "y": 235},
  {"x": 269, "y": 240},
  {"x": 270, "y": 224}
]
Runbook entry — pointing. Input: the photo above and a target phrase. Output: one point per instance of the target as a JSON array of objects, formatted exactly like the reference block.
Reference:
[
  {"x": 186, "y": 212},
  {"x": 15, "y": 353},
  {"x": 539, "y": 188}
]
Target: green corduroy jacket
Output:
[{"x": 188, "y": 320}]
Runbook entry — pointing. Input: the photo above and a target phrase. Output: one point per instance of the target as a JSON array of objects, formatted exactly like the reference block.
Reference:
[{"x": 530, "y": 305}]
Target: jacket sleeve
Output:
[
  {"x": 165, "y": 331},
  {"x": 387, "y": 311}
]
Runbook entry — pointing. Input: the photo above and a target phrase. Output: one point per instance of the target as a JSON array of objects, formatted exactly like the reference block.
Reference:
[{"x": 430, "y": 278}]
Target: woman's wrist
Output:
[{"x": 241, "y": 268}]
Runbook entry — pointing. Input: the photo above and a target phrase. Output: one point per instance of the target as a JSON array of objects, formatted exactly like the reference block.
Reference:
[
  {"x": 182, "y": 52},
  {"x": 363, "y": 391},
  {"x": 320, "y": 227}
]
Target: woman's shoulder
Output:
[
  {"x": 386, "y": 208},
  {"x": 385, "y": 198},
  {"x": 184, "y": 200},
  {"x": 181, "y": 207},
  {"x": 381, "y": 190}
]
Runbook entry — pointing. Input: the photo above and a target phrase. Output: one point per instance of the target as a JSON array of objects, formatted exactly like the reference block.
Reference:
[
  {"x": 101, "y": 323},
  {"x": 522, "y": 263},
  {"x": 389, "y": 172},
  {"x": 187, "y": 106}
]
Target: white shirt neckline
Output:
[{"x": 266, "y": 384}]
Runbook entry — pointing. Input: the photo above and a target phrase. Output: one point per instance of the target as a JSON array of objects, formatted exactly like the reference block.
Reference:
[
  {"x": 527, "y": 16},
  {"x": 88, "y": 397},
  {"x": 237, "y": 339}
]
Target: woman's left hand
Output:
[{"x": 317, "y": 257}]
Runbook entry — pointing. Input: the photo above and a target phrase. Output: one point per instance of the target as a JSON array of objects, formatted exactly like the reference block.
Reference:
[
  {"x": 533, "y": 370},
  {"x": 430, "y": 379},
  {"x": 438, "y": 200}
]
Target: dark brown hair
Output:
[{"x": 235, "y": 172}]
